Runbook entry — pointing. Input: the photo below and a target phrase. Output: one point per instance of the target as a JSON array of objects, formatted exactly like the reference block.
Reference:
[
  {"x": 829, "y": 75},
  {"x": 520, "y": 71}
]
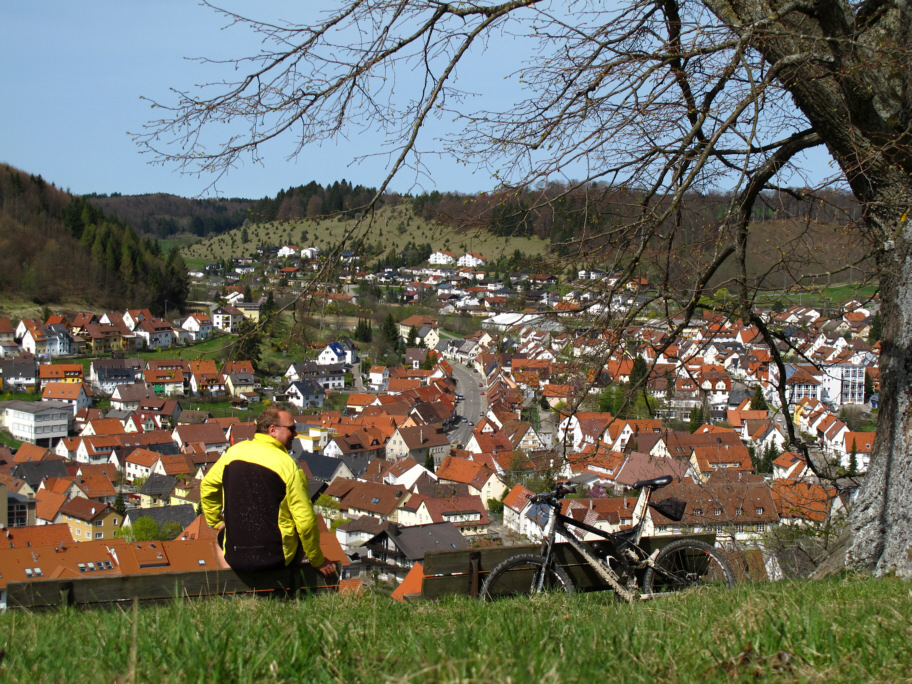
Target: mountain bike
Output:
[{"x": 618, "y": 558}]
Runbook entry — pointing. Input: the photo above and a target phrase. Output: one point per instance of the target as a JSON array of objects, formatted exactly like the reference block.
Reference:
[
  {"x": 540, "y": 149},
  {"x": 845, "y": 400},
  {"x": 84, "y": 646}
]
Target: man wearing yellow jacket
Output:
[{"x": 257, "y": 494}]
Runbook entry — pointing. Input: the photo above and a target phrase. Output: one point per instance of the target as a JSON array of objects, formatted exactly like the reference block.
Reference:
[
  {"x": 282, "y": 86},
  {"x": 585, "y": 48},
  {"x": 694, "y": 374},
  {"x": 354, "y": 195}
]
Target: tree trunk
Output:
[
  {"x": 881, "y": 519},
  {"x": 846, "y": 68}
]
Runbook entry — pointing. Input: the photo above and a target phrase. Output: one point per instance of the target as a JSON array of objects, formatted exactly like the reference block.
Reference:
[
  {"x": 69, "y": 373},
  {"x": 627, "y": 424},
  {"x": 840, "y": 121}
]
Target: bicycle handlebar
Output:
[{"x": 554, "y": 496}]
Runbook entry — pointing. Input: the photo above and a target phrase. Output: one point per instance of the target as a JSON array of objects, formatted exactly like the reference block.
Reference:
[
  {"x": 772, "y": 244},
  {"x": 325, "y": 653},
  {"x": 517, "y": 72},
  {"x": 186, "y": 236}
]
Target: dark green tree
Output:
[
  {"x": 248, "y": 343},
  {"x": 119, "y": 504},
  {"x": 638, "y": 372},
  {"x": 696, "y": 419},
  {"x": 364, "y": 332},
  {"x": 876, "y": 331},
  {"x": 269, "y": 306},
  {"x": 610, "y": 399},
  {"x": 391, "y": 331},
  {"x": 412, "y": 340},
  {"x": 853, "y": 461},
  {"x": 758, "y": 402}
]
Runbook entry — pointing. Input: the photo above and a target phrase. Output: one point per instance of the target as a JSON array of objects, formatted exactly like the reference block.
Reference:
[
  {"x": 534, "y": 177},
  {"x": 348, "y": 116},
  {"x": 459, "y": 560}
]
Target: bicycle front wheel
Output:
[
  {"x": 525, "y": 575},
  {"x": 687, "y": 563}
]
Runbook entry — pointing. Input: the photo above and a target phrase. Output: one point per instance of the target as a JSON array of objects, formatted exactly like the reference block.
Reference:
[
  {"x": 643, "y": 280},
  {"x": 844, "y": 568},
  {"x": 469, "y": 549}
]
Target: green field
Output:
[
  {"x": 391, "y": 228},
  {"x": 848, "y": 629}
]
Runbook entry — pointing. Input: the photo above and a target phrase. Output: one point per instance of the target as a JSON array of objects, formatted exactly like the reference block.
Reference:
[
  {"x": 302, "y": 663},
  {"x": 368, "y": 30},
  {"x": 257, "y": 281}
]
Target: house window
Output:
[
  {"x": 761, "y": 527},
  {"x": 759, "y": 510},
  {"x": 81, "y": 566},
  {"x": 698, "y": 511},
  {"x": 739, "y": 510},
  {"x": 718, "y": 511},
  {"x": 99, "y": 535},
  {"x": 99, "y": 523},
  {"x": 740, "y": 528}
]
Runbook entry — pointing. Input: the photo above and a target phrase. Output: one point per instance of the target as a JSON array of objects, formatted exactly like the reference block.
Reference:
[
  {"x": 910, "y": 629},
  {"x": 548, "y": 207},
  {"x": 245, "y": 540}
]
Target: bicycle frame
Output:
[{"x": 559, "y": 522}]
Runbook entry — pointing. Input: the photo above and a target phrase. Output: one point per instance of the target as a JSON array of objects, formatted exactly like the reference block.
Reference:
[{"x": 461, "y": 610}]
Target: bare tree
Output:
[{"x": 652, "y": 100}]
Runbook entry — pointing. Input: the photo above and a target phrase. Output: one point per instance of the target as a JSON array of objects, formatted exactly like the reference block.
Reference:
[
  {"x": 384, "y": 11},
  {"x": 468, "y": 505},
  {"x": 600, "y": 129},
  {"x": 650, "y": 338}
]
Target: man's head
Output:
[{"x": 277, "y": 421}]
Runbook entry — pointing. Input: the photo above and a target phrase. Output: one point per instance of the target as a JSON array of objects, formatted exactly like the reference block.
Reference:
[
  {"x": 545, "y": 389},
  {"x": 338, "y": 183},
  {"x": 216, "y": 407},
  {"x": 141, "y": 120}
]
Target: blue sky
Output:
[
  {"x": 72, "y": 74},
  {"x": 71, "y": 78}
]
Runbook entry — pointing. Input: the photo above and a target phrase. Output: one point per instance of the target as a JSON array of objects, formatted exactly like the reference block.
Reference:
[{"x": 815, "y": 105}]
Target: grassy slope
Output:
[
  {"x": 847, "y": 629},
  {"x": 393, "y": 227}
]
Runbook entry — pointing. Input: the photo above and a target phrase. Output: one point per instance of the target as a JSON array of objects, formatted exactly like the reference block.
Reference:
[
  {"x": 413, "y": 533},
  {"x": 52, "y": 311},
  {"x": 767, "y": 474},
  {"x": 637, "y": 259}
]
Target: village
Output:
[{"x": 441, "y": 450}]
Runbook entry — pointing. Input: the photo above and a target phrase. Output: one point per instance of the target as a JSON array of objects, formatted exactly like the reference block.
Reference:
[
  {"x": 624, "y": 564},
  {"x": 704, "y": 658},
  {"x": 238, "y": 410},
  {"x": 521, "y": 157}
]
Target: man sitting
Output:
[{"x": 256, "y": 495}]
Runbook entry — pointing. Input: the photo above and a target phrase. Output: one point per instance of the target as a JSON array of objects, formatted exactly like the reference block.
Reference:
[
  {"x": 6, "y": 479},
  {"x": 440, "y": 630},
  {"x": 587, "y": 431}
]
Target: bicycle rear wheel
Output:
[
  {"x": 687, "y": 563},
  {"x": 525, "y": 575}
]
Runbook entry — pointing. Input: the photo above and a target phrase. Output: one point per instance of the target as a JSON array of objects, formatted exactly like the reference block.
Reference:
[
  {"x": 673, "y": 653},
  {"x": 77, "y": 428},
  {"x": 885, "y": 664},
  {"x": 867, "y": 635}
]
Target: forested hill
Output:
[
  {"x": 558, "y": 214},
  {"x": 160, "y": 215},
  {"x": 59, "y": 249}
]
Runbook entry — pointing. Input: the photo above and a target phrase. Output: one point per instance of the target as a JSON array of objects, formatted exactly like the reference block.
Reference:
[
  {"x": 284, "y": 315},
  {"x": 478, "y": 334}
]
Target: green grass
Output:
[
  {"x": 214, "y": 348},
  {"x": 393, "y": 228},
  {"x": 222, "y": 409},
  {"x": 848, "y": 629},
  {"x": 8, "y": 440}
]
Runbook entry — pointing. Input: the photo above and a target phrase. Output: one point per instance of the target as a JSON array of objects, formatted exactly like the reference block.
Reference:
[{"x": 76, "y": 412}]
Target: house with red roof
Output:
[
  {"x": 790, "y": 466},
  {"x": 482, "y": 481},
  {"x": 89, "y": 519},
  {"x": 466, "y": 512}
]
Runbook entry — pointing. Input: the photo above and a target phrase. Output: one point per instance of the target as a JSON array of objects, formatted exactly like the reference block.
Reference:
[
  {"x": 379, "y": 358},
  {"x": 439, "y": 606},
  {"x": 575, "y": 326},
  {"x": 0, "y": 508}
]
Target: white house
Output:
[
  {"x": 71, "y": 393},
  {"x": 843, "y": 383},
  {"x": 332, "y": 353},
  {"x": 378, "y": 378},
  {"x": 305, "y": 394},
  {"x": 37, "y": 421},
  {"x": 471, "y": 260},
  {"x": 442, "y": 258},
  {"x": 227, "y": 318},
  {"x": 199, "y": 325},
  {"x": 156, "y": 333}
]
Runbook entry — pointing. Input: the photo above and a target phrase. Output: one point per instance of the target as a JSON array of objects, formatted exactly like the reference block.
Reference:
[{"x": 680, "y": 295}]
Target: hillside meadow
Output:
[
  {"x": 390, "y": 228},
  {"x": 846, "y": 629}
]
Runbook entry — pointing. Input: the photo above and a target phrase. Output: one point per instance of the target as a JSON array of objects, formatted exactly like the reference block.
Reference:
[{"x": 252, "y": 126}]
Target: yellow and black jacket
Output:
[{"x": 260, "y": 492}]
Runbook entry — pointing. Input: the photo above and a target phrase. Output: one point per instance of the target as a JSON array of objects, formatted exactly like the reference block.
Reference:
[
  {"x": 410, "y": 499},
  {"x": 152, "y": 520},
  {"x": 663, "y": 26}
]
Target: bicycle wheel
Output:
[
  {"x": 525, "y": 575},
  {"x": 687, "y": 563}
]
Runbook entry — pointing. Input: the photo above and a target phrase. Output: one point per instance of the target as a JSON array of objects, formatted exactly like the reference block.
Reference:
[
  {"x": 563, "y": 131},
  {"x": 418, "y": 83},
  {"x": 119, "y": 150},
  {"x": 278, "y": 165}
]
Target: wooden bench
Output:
[
  {"x": 451, "y": 573},
  {"x": 111, "y": 589}
]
